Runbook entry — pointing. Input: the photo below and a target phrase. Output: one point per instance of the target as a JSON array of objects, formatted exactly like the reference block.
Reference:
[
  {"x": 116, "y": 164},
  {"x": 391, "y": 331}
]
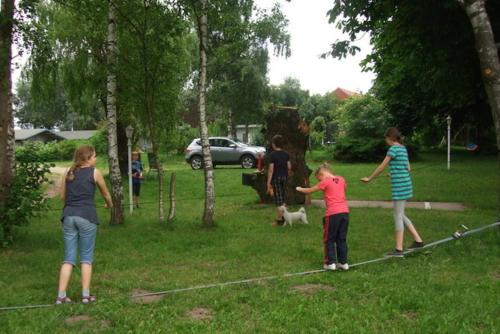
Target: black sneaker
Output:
[
  {"x": 395, "y": 253},
  {"x": 416, "y": 244}
]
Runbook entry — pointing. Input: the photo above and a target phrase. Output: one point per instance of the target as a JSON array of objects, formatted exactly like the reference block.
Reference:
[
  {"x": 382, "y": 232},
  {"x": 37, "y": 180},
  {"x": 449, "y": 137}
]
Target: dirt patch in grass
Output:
[
  {"x": 200, "y": 314},
  {"x": 144, "y": 299},
  {"x": 311, "y": 289},
  {"x": 76, "y": 319},
  {"x": 87, "y": 323},
  {"x": 496, "y": 275},
  {"x": 410, "y": 315}
]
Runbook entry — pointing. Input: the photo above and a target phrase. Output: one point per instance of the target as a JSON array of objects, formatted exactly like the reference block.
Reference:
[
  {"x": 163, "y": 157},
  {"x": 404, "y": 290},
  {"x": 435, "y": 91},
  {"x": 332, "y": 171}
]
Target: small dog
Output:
[{"x": 291, "y": 217}]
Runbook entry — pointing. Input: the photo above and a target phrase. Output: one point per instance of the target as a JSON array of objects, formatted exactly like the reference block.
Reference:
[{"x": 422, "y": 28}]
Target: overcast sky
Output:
[{"x": 311, "y": 35}]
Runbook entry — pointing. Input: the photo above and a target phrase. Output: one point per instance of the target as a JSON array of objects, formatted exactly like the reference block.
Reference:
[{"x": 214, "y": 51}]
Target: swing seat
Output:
[{"x": 471, "y": 147}]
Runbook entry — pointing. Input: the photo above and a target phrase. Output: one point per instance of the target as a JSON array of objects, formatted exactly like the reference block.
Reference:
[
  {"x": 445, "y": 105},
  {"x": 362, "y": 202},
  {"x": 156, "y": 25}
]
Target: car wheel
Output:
[
  {"x": 247, "y": 161},
  {"x": 196, "y": 162}
]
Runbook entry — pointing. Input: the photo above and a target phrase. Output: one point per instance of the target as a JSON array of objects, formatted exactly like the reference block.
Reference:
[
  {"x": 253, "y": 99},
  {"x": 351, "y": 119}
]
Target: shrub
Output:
[
  {"x": 359, "y": 149},
  {"x": 365, "y": 149},
  {"x": 100, "y": 142},
  {"x": 25, "y": 198},
  {"x": 51, "y": 151}
]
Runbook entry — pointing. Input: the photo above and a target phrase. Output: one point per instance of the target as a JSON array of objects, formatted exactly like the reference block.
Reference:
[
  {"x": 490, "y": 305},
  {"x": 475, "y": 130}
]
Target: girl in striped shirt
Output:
[{"x": 402, "y": 190}]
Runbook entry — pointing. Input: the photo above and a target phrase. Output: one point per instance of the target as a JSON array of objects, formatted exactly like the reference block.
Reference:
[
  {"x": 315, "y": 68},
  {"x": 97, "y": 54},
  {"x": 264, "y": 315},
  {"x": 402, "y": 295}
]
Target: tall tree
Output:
[
  {"x": 154, "y": 70},
  {"x": 424, "y": 58},
  {"x": 7, "y": 162},
  {"x": 114, "y": 167},
  {"x": 488, "y": 56},
  {"x": 201, "y": 10}
]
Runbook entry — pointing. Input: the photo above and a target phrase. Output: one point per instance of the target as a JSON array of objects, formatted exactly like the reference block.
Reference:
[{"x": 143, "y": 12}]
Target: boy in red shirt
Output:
[{"x": 336, "y": 218}]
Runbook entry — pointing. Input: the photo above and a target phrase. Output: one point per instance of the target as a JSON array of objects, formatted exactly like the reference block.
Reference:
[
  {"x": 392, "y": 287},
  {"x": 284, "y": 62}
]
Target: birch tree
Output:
[
  {"x": 114, "y": 167},
  {"x": 488, "y": 56},
  {"x": 7, "y": 161},
  {"x": 202, "y": 29}
]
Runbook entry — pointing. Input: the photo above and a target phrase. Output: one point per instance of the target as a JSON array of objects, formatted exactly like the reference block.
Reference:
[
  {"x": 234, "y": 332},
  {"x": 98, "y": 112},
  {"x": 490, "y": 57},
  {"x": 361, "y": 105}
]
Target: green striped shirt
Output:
[{"x": 400, "y": 176}]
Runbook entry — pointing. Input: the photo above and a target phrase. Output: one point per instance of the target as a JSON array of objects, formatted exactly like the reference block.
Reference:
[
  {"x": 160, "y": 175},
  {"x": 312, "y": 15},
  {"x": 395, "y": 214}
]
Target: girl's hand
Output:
[
  {"x": 299, "y": 189},
  {"x": 365, "y": 180},
  {"x": 106, "y": 206}
]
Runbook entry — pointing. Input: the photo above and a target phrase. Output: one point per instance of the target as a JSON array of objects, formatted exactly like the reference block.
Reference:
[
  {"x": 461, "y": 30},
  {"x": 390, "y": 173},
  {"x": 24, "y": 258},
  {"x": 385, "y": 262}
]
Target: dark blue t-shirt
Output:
[{"x": 280, "y": 160}]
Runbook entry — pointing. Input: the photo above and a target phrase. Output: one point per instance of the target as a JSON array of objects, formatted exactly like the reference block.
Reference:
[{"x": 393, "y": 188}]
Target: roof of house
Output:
[
  {"x": 25, "y": 134},
  {"x": 343, "y": 94},
  {"x": 78, "y": 134}
]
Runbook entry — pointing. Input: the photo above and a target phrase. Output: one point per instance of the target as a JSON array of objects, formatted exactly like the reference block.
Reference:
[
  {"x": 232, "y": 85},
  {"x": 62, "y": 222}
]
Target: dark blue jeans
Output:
[{"x": 335, "y": 238}]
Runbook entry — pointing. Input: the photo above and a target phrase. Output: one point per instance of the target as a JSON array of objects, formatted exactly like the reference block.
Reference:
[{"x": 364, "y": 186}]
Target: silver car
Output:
[{"x": 224, "y": 151}]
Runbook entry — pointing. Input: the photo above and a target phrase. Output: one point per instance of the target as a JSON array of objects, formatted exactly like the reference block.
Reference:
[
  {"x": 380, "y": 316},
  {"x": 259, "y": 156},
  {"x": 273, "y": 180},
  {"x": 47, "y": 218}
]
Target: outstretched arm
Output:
[
  {"x": 377, "y": 170},
  {"x": 101, "y": 184},
  {"x": 308, "y": 190}
]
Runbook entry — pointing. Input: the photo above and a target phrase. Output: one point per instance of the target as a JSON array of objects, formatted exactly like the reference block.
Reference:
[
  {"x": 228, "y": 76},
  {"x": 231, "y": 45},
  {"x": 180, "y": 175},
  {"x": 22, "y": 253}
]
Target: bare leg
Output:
[
  {"x": 64, "y": 276},
  {"x": 86, "y": 276},
  {"x": 413, "y": 233},
  {"x": 398, "y": 236}
]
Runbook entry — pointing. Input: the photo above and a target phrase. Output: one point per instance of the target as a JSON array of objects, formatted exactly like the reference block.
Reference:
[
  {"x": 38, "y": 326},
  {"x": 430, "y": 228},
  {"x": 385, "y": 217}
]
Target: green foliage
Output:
[
  {"x": 25, "y": 198},
  {"x": 364, "y": 116},
  {"x": 288, "y": 94},
  {"x": 359, "y": 149},
  {"x": 181, "y": 138},
  {"x": 423, "y": 73},
  {"x": 44, "y": 152},
  {"x": 100, "y": 142}
]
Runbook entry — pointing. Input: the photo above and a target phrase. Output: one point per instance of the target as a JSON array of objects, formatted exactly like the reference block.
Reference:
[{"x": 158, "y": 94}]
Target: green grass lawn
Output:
[{"x": 453, "y": 288}]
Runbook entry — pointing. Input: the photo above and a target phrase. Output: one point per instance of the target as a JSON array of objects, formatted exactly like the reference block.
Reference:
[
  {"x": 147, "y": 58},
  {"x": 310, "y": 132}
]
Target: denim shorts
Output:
[{"x": 78, "y": 233}]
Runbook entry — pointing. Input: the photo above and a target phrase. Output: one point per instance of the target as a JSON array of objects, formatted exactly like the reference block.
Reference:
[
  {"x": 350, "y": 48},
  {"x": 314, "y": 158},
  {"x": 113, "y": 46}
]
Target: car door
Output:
[
  {"x": 216, "y": 150},
  {"x": 232, "y": 151}
]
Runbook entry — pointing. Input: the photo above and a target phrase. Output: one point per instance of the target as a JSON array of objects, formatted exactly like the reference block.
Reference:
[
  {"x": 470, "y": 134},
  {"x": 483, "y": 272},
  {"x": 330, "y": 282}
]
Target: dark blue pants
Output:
[{"x": 335, "y": 237}]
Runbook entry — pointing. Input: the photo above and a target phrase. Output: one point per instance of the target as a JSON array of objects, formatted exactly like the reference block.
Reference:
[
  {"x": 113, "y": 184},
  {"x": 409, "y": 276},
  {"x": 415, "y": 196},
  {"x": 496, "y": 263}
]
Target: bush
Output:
[
  {"x": 25, "y": 198},
  {"x": 100, "y": 142},
  {"x": 365, "y": 149},
  {"x": 359, "y": 149},
  {"x": 52, "y": 151}
]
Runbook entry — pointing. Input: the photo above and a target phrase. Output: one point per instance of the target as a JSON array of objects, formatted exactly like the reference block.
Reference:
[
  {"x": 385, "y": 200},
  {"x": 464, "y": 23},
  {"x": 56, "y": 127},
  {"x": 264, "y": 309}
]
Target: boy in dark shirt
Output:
[{"x": 277, "y": 175}]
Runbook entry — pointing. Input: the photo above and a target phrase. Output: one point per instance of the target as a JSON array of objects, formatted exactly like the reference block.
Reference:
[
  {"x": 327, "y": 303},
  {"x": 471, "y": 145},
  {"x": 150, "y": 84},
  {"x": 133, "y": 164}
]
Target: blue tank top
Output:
[{"x": 80, "y": 196}]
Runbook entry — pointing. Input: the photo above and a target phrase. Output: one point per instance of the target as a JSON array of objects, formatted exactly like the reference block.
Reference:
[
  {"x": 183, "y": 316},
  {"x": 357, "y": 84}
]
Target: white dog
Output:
[{"x": 291, "y": 217}]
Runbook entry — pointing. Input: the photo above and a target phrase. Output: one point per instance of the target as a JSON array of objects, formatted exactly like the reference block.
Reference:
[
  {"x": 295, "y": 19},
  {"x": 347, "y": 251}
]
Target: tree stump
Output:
[{"x": 284, "y": 121}]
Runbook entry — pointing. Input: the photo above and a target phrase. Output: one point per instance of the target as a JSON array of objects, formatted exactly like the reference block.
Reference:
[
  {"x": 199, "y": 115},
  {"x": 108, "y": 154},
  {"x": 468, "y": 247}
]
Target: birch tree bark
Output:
[
  {"x": 114, "y": 166},
  {"x": 488, "y": 57},
  {"x": 202, "y": 22},
  {"x": 7, "y": 140}
]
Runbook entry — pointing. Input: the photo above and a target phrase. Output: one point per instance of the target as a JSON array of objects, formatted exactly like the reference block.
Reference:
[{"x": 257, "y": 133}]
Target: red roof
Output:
[{"x": 343, "y": 94}]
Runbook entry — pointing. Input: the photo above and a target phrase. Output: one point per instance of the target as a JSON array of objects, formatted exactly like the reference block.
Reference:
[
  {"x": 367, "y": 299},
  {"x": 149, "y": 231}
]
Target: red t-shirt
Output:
[{"x": 334, "y": 195}]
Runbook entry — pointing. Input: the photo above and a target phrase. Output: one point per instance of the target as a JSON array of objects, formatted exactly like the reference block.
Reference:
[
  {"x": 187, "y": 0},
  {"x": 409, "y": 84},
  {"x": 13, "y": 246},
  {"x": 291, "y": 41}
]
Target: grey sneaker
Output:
[{"x": 395, "y": 253}]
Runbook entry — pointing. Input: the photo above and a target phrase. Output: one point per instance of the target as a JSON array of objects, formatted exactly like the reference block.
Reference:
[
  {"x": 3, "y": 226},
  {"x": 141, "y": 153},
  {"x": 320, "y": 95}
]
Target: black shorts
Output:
[{"x": 136, "y": 189}]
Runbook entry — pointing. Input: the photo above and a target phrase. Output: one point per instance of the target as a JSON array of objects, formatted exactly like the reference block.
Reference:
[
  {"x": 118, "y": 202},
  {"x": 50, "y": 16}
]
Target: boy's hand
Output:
[{"x": 365, "y": 180}]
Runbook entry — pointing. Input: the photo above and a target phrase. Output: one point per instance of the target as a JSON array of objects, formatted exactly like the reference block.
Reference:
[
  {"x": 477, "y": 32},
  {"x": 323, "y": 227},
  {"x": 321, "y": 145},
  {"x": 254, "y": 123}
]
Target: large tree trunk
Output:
[
  {"x": 208, "y": 214},
  {"x": 7, "y": 162},
  {"x": 114, "y": 167},
  {"x": 285, "y": 121},
  {"x": 488, "y": 57}
]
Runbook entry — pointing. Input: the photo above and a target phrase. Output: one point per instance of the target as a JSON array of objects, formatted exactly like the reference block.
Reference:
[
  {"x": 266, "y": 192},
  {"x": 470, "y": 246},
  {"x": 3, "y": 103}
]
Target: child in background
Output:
[
  {"x": 402, "y": 189},
  {"x": 137, "y": 177},
  {"x": 336, "y": 220},
  {"x": 277, "y": 175}
]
